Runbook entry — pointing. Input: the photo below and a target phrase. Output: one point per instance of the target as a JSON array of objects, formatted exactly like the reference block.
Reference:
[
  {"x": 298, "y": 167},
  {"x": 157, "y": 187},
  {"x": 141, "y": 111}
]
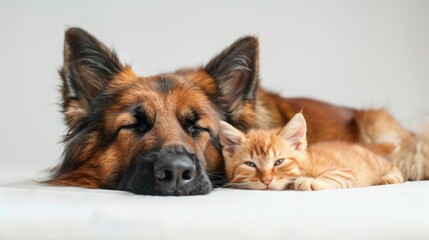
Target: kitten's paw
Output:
[
  {"x": 392, "y": 179},
  {"x": 309, "y": 184}
]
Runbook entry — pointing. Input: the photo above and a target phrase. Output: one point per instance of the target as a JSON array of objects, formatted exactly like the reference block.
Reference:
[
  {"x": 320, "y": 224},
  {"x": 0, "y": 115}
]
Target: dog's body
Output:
[{"x": 159, "y": 135}]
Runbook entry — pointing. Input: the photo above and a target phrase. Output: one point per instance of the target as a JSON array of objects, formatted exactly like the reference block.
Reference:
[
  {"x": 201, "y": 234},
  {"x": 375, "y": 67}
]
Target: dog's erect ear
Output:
[
  {"x": 235, "y": 71},
  {"x": 88, "y": 66}
]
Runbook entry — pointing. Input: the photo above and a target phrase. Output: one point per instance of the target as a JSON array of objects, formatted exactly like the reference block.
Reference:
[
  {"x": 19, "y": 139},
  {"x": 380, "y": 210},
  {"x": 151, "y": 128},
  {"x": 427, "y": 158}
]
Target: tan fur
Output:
[
  {"x": 381, "y": 133},
  {"x": 323, "y": 165},
  {"x": 336, "y": 164}
]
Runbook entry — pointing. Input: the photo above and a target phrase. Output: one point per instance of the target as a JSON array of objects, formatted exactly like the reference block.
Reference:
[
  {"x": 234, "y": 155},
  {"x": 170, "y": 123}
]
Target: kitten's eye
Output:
[
  {"x": 250, "y": 164},
  {"x": 278, "y": 162}
]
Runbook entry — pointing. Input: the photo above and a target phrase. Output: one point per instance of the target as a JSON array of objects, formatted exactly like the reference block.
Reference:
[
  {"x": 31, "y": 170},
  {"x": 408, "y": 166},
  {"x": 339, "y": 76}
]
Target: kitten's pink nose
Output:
[{"x": 267, "y": 181}]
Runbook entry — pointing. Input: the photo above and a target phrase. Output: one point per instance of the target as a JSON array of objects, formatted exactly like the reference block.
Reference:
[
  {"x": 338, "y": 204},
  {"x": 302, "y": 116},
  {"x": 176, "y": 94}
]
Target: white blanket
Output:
[{"x": 32, "y": 211}]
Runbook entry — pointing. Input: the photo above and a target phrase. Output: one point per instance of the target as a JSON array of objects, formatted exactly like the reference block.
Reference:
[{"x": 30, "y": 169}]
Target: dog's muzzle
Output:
[
  {"x": 169, "y": 171},
  {"x": 173, "y": 172}
]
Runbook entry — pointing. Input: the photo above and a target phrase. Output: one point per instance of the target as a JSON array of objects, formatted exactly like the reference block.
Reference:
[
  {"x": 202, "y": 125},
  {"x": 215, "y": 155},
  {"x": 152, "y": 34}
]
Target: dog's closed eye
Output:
[
  {"x": 191, "y": 123},
  {"x": 138, "y": 122}
]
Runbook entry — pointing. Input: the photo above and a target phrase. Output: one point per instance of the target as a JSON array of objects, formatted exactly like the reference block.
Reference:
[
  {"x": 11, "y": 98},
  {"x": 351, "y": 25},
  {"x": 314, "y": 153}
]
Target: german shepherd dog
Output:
[{"x": 158, "y": 135}]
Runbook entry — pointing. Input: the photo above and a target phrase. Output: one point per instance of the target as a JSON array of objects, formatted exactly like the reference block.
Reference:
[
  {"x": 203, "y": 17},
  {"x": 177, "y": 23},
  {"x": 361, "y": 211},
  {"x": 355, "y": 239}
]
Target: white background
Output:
[{"x": 369, "y": 53}]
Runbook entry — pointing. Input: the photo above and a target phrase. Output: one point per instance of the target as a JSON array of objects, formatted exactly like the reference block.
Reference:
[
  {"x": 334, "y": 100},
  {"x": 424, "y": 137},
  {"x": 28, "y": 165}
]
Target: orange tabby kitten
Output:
[{"x": 273, "y": 159}]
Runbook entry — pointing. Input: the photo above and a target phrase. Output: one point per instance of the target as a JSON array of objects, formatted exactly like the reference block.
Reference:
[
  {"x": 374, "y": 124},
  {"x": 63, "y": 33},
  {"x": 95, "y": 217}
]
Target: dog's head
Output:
[{"x": 153, "y": 135}]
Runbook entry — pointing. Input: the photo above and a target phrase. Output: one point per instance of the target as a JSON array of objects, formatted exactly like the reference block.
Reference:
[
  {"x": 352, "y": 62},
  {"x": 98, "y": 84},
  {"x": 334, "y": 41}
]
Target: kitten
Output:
[{"x": 276, "y": 159}]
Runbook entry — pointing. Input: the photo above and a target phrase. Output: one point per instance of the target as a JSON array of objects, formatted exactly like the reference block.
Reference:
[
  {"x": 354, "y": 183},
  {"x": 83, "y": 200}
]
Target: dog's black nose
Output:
[{"x": 173, "y": 171}]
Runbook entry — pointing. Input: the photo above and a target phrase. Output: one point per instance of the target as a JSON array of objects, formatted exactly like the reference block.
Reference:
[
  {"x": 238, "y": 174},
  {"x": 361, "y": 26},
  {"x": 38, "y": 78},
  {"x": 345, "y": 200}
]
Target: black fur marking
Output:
[
  {"x": 142, "y": 123},
  {"x": 236, "y": 70},
  {"x": 78, "y": 134},
  {"x": 88, "y": 66},
  {"x": 189, "y": 123},
  {"x": 164, "y": 85},
  {"x": 215, "y": 140}
]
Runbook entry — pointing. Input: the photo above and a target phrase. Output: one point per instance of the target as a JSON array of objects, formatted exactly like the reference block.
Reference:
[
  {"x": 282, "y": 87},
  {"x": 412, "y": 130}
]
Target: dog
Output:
[{"x": 158, "y": 135}]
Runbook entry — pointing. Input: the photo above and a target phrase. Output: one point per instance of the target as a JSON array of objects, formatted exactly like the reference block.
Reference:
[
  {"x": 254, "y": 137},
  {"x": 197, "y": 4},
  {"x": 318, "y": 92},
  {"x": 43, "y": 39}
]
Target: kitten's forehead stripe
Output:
[{"x": 261, "y": 146}]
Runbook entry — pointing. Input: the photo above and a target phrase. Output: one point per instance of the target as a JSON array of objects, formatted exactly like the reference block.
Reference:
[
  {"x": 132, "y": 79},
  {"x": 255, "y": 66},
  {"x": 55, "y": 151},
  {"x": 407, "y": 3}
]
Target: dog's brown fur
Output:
[{"x": 98, "y": 92}]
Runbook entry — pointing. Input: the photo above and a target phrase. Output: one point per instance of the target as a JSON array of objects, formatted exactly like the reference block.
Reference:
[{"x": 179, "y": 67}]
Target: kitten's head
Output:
[{"x": 264, "y": 159}]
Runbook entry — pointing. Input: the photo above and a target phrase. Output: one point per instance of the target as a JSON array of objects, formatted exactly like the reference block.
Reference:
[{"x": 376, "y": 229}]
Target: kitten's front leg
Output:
[
  {"x": 329, "y": 180},
  {"x": 392, "y": 175},
  {"x": 310, "y": 184},
  {"x": 339, "y": 178}
]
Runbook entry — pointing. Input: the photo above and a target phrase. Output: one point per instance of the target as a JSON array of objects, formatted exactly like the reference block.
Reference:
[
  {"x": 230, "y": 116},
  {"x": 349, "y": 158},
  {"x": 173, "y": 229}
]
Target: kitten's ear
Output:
[
  {"x": 230, "y": 138},
  {"x": 295, "y": 132},
  {"x": 88, "y": 66},
  {"x": 235, "y": 71}
]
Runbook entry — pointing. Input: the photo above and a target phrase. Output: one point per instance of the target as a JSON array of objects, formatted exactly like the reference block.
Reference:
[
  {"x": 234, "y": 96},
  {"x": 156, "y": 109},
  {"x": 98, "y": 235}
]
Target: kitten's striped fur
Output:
[{"x": 275, "y": 159}]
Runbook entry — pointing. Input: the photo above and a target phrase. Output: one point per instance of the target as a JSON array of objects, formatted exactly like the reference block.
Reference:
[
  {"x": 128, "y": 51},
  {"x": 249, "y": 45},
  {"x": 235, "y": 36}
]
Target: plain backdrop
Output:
[{"x": 367, "y": 53}]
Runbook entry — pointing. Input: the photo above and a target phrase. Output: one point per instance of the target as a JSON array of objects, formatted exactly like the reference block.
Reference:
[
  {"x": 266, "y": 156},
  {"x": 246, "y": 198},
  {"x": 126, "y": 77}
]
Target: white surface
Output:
[{"x": 32, "y": 211}]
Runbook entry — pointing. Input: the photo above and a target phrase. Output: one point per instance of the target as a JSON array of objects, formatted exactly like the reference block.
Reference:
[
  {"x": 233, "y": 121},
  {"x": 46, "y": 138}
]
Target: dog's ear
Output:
[
  {"x": 88, "y": 66},
  {"x": 235, "y": 71}
]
